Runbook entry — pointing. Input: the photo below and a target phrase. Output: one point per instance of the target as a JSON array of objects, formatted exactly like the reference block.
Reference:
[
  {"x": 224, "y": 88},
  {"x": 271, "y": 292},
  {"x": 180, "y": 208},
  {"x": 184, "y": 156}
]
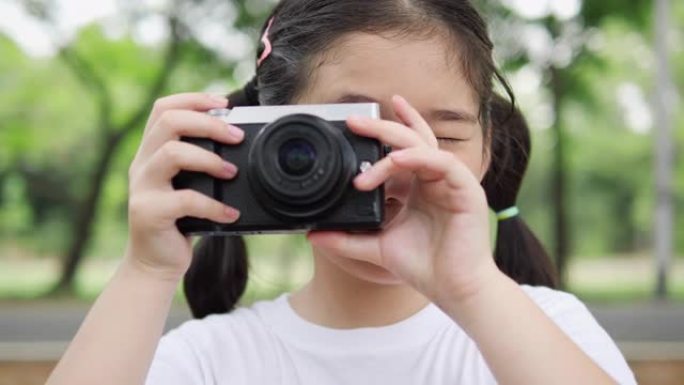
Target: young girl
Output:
[{"x": 424, "y": 301}]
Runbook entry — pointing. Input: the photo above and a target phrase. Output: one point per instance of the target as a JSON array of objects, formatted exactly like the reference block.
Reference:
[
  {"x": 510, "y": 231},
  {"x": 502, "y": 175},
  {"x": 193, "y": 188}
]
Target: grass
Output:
[
  {"x": 25, "y": 277},
  {"x": 604, "y": 280},
  {"x": 621, "y": 292},
  {"x": 622, "y": 279}
]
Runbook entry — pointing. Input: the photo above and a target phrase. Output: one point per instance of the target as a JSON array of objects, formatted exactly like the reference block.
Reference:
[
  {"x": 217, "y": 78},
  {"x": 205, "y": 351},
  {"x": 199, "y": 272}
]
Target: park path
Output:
[{"x": 42, "y": 330}]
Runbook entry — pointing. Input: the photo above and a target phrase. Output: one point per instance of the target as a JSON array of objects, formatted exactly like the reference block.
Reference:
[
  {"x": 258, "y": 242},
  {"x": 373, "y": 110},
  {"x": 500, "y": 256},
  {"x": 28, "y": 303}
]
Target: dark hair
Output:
[
  {"x": 301, "y": 32},
  {"x": 518, "y": 253},
  {"x": 217, "y": 276}
]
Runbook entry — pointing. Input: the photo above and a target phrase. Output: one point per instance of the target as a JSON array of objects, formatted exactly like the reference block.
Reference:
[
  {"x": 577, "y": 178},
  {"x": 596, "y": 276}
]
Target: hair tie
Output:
[
  {"x": 268, "y": 48},
  {"x": 508, "y": 213}
]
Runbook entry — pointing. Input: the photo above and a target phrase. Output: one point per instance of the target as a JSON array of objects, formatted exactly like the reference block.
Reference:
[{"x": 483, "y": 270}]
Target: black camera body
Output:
[{"x": 296, "y": 166}]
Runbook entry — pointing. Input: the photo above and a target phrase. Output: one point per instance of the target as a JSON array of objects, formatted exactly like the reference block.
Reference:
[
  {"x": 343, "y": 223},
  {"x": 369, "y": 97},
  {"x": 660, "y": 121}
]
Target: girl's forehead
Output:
[{"x": 426, "y": 70}]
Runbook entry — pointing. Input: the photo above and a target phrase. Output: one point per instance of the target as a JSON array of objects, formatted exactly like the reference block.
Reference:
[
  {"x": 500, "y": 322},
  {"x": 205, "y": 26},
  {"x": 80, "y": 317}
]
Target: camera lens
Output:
[
  {"x": 297, "y": 164},
  {"x": 297, "y": 157}
]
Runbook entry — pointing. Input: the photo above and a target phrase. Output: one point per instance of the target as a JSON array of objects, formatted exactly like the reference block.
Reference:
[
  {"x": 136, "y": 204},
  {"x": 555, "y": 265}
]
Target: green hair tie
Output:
[{"x": 507, "y": 213}]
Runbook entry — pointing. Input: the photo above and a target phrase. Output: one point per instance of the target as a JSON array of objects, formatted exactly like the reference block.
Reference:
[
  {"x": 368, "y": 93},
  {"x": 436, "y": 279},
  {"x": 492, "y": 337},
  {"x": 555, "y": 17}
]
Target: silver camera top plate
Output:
[{"x": 267, "y": 114}]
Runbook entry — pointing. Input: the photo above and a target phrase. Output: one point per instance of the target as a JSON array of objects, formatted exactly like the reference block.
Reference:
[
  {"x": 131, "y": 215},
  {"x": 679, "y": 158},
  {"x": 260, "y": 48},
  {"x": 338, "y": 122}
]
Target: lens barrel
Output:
[{"x": 300, "y": 165}]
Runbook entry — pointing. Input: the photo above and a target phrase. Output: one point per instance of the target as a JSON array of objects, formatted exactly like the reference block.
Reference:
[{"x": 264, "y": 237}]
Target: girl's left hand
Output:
[{"x": 439, "y": 241}]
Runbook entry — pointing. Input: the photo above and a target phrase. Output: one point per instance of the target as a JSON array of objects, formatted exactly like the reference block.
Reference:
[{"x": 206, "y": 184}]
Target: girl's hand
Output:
[
  {"x": 155, "y": 244},
  {"x": 439, "y": 242}
]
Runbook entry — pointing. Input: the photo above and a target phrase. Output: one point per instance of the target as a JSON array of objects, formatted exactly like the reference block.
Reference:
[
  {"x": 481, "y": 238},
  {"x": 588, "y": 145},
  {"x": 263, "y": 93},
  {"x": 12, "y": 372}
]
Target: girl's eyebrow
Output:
[
  {"x": 434, "y": 115},
  {"x": 453, "y": 115}
]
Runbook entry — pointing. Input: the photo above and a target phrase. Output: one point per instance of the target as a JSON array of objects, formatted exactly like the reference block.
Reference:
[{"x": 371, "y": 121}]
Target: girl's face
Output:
[{"x": 372, "y": 68}]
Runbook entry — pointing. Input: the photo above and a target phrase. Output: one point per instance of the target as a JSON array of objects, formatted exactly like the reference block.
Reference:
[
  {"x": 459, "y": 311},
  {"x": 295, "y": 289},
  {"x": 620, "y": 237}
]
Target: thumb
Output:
[{"x": 359, "y": 246}]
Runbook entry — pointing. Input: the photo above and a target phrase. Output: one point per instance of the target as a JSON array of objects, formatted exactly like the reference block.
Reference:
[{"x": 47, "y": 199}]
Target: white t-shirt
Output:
[{"x": 268, "y": 343}]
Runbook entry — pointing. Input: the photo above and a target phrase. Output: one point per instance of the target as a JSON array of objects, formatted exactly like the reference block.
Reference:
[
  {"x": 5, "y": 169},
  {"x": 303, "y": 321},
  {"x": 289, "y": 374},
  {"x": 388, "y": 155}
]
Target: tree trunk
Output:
[
  {"x": 112, "y": 136},
  {"x": 664, "y": 154},
  {"x": 559, "y": 179},
  {"x": 85, "y": 217},
  {"x": 624, "y": 237}
]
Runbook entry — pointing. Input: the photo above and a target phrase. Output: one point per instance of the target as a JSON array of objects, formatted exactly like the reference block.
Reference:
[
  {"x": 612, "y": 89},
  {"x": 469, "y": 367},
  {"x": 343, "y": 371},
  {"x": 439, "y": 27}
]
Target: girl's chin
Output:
[{"x": 365, "y": 271}]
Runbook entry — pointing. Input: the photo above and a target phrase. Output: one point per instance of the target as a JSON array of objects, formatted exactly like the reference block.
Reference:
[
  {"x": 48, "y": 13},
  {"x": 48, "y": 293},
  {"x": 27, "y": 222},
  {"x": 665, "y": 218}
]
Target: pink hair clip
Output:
[{"x": 267, "y": 43}]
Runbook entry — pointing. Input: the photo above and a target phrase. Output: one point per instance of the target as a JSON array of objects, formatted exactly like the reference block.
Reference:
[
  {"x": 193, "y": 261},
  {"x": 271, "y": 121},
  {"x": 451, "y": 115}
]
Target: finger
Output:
[
  {"x": 362, "y": 247},
  {"x": 394, "y": 134},
  {"x": 388, "y": 167},
  {"x": 175, "y": 156},
  {"x": 190, "y": 203},
  {"x": 376, "y": 175},
  {"x": 174, "y": 124},
  {"x": 195, "y": 101},
  {"x": 166, "y": 207},
  {"x": 431, "y": 165},
  {"x": 413, "y": 119}
]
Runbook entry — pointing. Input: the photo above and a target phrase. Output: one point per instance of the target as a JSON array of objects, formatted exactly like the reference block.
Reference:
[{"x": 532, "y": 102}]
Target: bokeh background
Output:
[{"x": 600, "y": 82}]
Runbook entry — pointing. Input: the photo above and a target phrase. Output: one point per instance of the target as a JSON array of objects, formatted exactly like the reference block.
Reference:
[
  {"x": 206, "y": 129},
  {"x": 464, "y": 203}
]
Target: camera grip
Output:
[{"x": 199, "y": 182}]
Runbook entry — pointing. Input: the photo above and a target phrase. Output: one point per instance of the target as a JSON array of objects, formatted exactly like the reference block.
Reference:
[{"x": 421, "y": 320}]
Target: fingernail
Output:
[
  {"x": 397, "y": 155},
  {"x": 229, "y": 170},
  {"x": 400, "y": 99},
  {"x": 235, "y": 132},
  {"x": 231, "y": 214},
  {"x": 219, "y": 99},
  {"x": 358, "y": 119},
  {"x": 360, "y": 180}
]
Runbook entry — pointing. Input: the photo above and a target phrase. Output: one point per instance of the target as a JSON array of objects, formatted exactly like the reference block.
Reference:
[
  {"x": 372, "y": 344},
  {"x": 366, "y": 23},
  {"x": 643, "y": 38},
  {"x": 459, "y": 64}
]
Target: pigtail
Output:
[
  {"x": 518, "y": 252},
  {"x": 247, "y": 96},
  {"x": 217, "y": 276}
]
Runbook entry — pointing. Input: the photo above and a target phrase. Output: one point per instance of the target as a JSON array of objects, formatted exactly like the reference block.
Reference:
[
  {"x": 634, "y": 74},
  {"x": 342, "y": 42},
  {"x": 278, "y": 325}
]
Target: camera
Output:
[{"x": 296, "y": 166}]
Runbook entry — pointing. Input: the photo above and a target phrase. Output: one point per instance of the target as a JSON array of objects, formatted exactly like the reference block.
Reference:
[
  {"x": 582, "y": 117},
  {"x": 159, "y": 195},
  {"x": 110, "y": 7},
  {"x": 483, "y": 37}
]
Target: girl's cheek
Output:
[{"x": 473, "y": 156}]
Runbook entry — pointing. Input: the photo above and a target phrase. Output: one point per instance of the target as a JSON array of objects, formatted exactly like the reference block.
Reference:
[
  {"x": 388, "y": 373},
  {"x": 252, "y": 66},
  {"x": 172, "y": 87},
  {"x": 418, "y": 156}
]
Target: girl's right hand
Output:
[{"x": 155, "y": 244}]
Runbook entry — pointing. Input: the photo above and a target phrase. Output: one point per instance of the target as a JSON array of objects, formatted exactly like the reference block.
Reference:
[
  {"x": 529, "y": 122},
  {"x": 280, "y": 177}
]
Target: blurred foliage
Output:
[{"x": 49, "y": 123}]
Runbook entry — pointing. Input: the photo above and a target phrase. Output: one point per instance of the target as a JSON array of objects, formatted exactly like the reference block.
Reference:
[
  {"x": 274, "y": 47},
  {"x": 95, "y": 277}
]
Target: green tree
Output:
[
  {"x": 567, "y": 52},
  {"x": 120, "y": 80}
]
